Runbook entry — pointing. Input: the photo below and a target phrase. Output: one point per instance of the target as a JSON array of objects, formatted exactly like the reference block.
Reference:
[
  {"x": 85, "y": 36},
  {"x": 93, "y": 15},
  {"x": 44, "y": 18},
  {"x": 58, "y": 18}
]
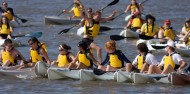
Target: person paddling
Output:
[
  {"x": 65, "y": 57},
  {"x": 144, "y": 59},
  {"x": 115, "y": 59},
  {"x": 7, "y": 12},
  {"x": 170, "y": 63},
  {"x": 5, "y": 28},
  {"x": 76, "y": 10},
  {"x": 166, "y": 32},
  {"x": 9, "y": 56},
  {"x": 134, "y": 7}
]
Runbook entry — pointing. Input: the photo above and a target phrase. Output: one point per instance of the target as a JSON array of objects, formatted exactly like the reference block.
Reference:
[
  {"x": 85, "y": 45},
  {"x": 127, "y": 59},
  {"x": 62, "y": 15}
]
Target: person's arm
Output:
[
  {"x": 44, "y": 53},
  {"x": 71, "y": 56},
  {"x": 109, "y": 17},
  {"x": 93, "y": 59},
  {"x": 106, "y": 60},
  {"x": 68, "y": 12},
  {"x": 76, "y": 58},
  {"x": 183, "y": 64},
  {"x": 135, "y": 61},
  {"x": 141, "y": 7},
  {"x": 128, "y": 8},
  {"x": 98, "y": 51},
  {"x": 129, "y": 24}
]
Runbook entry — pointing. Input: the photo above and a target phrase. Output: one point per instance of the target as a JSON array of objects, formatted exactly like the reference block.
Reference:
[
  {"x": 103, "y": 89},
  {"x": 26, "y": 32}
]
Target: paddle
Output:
[
  {"x": 158, "y": 47},
  {"x": 118, "y": 37},
  {"x": 105, "y": 28},
  {"x": 99, "y": 71},
  {"x": 31, "y": 34},
  {"x": 66, "y": 30},
  {"x": 158, "y": 77},
  {"x": 145, "y": 37},
  {"x": 65, "y": 9},
  {"x": 110, "y": 4},
  {"x": 22, "y": 20},
  {"x": 129, "y": 16}
]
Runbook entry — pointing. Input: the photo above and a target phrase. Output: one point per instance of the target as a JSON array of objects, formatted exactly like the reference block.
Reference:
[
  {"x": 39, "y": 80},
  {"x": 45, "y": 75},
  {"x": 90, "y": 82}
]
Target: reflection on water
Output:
[{"x": 35, "y": 10}]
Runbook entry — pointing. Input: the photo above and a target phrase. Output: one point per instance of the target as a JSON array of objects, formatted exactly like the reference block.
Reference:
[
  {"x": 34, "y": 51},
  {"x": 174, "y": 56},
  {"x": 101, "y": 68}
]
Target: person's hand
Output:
[{"x": 64, "y": 10}]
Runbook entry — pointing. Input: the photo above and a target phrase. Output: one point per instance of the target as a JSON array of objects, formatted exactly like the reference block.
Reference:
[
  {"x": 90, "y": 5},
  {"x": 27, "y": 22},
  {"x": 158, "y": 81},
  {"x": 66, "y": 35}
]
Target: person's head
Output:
[
  {"x": 4, "y": 20},
  {"x": 97, "y": 15},
  {"x": 167, "y": 23},
  {"x": 150, "y": 19},
  {"x": 82, "y": 46},
  {"x": 4, "y": 5},
  {"x": 76, "y": 4},
  {"x": 110, "y": 46},
  {"x": 8, "y": 44},
  {"x": 63, "y": 49},
  {"x": 142, "y": 48},
  {"x": 33, "y": 42},
  {"x": 170, "y": 47},
  {"x": 187, "y": 22},
  {"x": 89, "y": 12},
  {"x": 133, "y": 1}
]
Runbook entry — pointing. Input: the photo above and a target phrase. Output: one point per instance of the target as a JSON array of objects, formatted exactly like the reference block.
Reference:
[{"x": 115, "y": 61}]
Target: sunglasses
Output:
[{"x": 31, "y": 43}]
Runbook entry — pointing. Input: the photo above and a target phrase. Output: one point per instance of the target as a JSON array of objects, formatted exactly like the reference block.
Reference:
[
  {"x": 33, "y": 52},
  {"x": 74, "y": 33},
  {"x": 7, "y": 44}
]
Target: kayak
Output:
[
  {"x": 179, "y": 78},
  {"x": 128, "y": 17},
  {"x": 88, "y": 75},
  {"x": 55, "y": 20},
  {"x": 142, "y": 78},
  {"x": 61, "y": 73},
  {"x": 129, "y": 33},
  {"x": 41, "y": 69},
  {"x": 27, "y": 73},
  {"x": 123, "y": 76}
]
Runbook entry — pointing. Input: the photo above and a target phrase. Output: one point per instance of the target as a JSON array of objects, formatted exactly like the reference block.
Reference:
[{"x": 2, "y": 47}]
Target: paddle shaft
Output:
[
  {"x": 66, "y": 9},
  {"x": 110, "y": 4}
]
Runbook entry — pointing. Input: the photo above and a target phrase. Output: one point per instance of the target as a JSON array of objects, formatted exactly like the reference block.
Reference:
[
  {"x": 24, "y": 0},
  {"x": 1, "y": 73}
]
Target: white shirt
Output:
[
  {"x": 150, "y": 59},
  {"x": 175, "y": 57}
]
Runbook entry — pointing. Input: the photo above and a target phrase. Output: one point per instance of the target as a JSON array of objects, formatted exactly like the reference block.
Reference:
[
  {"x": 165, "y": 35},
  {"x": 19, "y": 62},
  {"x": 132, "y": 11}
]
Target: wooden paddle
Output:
[
  {"x": 31, "y": 34},
  {"x": 66, "y": 30},
  {"x": 65, "y": 9},
  {"x": 118, "y": 37},
  {"x": 110, "y": 4}
]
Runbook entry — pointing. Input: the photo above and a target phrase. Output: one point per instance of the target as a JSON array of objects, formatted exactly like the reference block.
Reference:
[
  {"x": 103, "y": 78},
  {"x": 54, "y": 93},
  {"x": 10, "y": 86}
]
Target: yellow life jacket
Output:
[
  {"x": 188, "y": 40},
  {"x": 8, "y": 15},
  {"x": 43, "y": 45},
  {"x": 140, "y": 61},
  {"x": 82, "y": 58},
  {"x": 168, "y": 33},
  {"x": 133, "y": 8},
  {"x": 168, "y": 61},
  {"x": 5, "y": 29},
  {"x": 115, "y": 61},
  {"x": 35, "y": 54},
  {"x": 152, "y": 30},
  {"x": 62, "y": 60},
  {"x": 76, "y": 11},
  {"x": 137, "y": 22},
  {"x": 92, "y": 30},
  {"x": 7, "y": 56}
]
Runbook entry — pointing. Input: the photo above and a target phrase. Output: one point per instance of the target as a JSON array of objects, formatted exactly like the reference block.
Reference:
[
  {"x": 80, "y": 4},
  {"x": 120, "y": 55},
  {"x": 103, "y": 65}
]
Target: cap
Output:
[
  {"x": 167, "y": 22},
  {"x": 171, "y": 44},
  {"x": 187, "y": 20}
]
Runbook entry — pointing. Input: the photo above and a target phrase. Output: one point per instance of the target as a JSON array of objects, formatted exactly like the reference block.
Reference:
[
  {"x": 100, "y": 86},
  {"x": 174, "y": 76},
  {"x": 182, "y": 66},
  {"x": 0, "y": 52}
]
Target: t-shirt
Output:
[{"x": 150, "y": 59}]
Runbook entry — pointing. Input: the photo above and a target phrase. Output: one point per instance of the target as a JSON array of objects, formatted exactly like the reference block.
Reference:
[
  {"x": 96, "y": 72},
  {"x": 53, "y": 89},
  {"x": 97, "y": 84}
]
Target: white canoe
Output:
[
  {"x": 141, "y": 78},
  {"x": 123, "y": 76},
  {"x": 27, "y": 73},
  {"x": 61, "y": 73},
  {"x": 183, "y": 51},
  {"x": 88, "y": 75},
  {"x": 129, "y": 33},
  {"x": 41, "y": 69},
  {"x": 55, "y": 20}
]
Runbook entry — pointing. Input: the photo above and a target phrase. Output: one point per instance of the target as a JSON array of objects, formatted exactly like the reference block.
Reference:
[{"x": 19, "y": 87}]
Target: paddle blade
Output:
[
  {"x": 128, "y": 17},
  {"x": 104, "y": 28},
  {"x": 144, "y": 37},
  {"x": 116, "y": 37},
  {"x": 113, "y": 3},
  {"x": 34, "y": 34},
  {"x": 98, "y": 71},
  {"x": 64, "y": 31},
  {"x": 23, "y": 20},
  {"x": 158, "y": 46}
]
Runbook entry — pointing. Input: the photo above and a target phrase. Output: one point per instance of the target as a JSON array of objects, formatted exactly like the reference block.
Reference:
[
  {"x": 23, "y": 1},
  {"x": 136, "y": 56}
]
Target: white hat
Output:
[{"x": 171, "y": 44}]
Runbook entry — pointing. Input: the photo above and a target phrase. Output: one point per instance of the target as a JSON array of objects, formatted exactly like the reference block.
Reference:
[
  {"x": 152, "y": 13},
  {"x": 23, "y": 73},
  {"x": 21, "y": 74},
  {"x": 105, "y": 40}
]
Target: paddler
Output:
[
  {"x": 115, "y": 59},
  {"x": 65, "y": 57},
  {"x": 7, "y": 12},
  {"x": 166, "y": 32},
  {"x": 134, "y": 7},
  {"x": 171, "y": 62},
  {"x": 5, "y": 28}
]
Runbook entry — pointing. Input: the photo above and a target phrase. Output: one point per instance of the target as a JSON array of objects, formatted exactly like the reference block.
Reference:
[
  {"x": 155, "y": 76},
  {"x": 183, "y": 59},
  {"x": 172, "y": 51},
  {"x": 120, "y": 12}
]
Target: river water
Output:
[{"x": 35, "y": 10}]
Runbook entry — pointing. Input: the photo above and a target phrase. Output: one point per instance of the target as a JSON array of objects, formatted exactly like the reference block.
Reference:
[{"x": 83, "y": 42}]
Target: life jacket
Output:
[
  {"x": 114, "y": 60},
  {"x": 5, "y": 29},
  {"x": 7, "y": 56},
  {"x": 83, "y": 58},
  {"x": 35, "y": 54},
  {"x": 76, "y": 11},
  {"x": 134, "y": 7},
  {"x": 63, "y": 60},
  {"x": 136, "y": 22},
  {"x": 149, "y": 29},
  {"x": 168, "y": 32},
  {"x": 168, "y": 61},
  {"x": 92, "y": 30},
  {"x": 8, "y": 15},
  {"x": 188, "y": 40}
]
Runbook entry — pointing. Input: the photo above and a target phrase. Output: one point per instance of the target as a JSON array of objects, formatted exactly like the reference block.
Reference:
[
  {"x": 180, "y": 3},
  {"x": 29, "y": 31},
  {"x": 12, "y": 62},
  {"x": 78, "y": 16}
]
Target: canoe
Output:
[
  {"x": 142, "y": 78},
  {"x": 27, "y": 73},
  {"x": 55, "y": 20},
  {"x": 41, "y": 69},
  {"x": 61, "y": 73},
  {"x": 123, "y": 76},
  {"x": 129, "y": 33},
  {"x": 179, "y": 79},
  {"x": 88, "y": 75}
]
